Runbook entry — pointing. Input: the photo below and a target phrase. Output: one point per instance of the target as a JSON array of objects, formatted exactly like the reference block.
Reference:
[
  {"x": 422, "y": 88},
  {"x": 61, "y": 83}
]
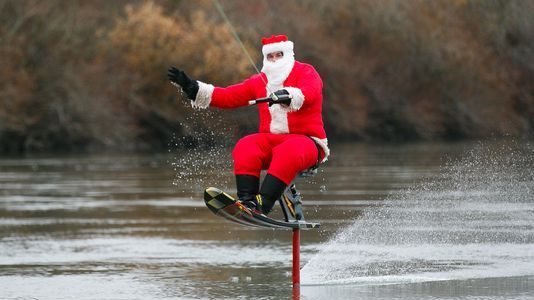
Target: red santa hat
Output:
[{"x": 276, "y": 43}]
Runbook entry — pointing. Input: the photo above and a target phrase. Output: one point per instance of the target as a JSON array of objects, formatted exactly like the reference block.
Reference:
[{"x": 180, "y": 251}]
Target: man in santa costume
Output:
[{"x": 291, "y": 134}]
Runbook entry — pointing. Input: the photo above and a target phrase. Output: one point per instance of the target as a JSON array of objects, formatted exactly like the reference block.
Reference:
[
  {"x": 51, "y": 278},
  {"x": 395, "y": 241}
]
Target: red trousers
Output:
[{"x": 282, "y": 155}]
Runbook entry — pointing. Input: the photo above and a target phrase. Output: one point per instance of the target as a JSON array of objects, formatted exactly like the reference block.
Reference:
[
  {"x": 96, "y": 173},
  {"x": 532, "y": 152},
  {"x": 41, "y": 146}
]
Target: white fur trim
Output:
[
  {"x": 278, "y": 113},
  {"x": 203, "y": 99},
  {"x": 279, "y": 122},
  {"x": 275, "y": 47},
  {"x": 297, "y": 98},
  {"x": 323, "y": 143}
]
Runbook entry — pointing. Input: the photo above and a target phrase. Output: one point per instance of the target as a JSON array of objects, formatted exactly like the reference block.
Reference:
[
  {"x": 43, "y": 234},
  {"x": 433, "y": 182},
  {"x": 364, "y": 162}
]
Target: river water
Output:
[{"x": 416, "y": 221}]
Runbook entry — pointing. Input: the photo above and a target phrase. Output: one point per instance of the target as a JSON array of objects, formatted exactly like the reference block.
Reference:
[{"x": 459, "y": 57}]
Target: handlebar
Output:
[
  {"x": 268, "y": 100},
  {"x": 260, "y": 100}
]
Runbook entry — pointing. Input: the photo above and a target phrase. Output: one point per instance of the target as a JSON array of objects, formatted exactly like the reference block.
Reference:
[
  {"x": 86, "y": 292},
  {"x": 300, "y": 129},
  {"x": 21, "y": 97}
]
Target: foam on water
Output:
[{"x": 476, "y": 220}]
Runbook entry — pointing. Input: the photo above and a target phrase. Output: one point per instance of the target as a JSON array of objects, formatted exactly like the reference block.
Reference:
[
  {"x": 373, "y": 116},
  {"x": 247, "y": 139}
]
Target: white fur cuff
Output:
[
  {"x": 297, "y": 98},
  {"x": 203, "y": 99},
  {"x": 323, "y": 143}
]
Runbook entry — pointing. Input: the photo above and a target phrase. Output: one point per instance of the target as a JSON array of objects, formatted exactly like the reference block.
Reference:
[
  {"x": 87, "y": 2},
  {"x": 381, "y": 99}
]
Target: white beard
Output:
[{"x": 278, "y": 71}]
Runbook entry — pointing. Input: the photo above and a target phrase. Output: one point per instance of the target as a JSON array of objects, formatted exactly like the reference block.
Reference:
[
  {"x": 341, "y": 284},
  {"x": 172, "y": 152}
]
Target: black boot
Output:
[
  {"x": 271, "y": 190},
  {"x": 247, "y": 187}
]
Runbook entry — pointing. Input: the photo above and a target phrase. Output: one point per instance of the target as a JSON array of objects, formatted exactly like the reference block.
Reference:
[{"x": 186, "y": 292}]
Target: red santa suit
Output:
[{"x": 287, "y": 138}]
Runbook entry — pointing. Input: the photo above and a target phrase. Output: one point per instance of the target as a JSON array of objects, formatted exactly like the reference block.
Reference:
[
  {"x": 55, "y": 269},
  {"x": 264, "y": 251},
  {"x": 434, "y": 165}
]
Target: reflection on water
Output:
[{"x": 135, "y": 227}]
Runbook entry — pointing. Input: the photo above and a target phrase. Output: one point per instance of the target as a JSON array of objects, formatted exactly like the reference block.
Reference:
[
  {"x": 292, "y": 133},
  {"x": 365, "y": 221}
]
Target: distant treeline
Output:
[{"x": 78, "y": 75}]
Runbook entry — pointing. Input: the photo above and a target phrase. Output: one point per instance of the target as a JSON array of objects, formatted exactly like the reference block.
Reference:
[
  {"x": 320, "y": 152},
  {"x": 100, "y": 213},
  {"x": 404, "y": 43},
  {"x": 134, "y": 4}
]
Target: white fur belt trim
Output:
[
  {"x": 323, "y": 143},
  {"x": 203, "y": 99},
  {"x": 278, "y": 113},
  {"x": 279, "y": 122}
]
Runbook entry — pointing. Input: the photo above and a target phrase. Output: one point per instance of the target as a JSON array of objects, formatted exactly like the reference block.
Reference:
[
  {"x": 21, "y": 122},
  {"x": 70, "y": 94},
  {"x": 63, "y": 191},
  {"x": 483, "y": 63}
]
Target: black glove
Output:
[
  {"x": 189, "y": 86},
  {"x": 283, "y": 98}
]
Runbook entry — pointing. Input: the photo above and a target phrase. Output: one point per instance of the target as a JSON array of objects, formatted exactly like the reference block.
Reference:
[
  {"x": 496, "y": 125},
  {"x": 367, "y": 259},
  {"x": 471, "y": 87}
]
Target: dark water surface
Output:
[{"x": 421, "y": 221}]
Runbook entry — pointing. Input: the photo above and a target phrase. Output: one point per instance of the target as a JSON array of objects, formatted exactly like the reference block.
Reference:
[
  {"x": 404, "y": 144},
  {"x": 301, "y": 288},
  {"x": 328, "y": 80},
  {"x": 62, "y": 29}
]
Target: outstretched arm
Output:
[
  {"x": 203, "y": 95},
  {"x": 233, "y": 96}
]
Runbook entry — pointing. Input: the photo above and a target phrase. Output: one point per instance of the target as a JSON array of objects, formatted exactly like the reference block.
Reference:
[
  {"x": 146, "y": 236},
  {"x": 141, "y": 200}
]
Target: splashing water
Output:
[
  {"x": 475, "y": 220},
  {"x": 204, "y": 157}
]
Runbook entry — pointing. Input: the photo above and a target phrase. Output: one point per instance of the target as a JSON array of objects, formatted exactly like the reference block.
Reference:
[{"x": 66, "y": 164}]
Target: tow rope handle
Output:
[{"x": 271, "y": 100}]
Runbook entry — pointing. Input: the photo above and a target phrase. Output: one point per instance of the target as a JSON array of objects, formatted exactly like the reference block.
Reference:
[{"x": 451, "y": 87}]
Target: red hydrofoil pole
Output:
[{"x": 296, "y": 258}]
